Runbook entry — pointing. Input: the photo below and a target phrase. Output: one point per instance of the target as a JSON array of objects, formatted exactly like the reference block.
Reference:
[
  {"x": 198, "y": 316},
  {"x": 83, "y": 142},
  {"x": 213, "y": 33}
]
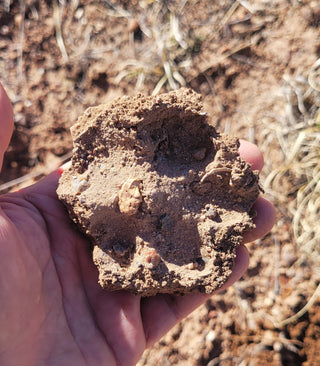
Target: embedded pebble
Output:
[{"x": 130, "y": 197}]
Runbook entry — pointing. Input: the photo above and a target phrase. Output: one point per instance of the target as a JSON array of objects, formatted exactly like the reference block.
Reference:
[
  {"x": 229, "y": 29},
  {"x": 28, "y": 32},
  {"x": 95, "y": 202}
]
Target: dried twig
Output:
[
  {"x": 228, "y": 15},
  {"x": 16, "y": 182},
  {"x": 22, "y": 6},
  {"x": 276, "y": 286},
  {"x": 301, "y": 312},
  {"x": 35, "y": 174},
  {"x": 174, "y": 20},
  {"x": 118, "y": 11},
  {"x": 58, "y": 28}
]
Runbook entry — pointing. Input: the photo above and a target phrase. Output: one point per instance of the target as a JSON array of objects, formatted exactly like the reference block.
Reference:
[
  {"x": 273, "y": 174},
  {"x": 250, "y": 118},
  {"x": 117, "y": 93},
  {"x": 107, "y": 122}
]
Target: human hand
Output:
[{"x": 53, "y": 312}]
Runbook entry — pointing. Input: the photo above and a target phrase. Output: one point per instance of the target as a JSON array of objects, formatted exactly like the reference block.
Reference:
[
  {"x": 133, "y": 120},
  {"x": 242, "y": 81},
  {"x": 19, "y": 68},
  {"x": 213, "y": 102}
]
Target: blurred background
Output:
[{"x": 257, "y": 65}]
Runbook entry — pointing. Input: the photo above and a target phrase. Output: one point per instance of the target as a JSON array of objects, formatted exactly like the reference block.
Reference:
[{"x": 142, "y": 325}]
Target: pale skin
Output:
[{"x": 53, "y": 312}]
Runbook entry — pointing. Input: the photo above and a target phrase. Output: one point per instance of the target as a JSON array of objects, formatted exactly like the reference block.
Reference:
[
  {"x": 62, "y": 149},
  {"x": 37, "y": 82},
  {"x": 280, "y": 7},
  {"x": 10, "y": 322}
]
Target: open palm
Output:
[{"x": 53, "y": 312}]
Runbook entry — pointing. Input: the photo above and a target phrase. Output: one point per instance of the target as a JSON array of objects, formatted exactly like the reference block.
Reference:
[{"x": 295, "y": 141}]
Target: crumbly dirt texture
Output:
[
  {"x": 164, "y": 197},
  {"x": 238, "y": 62}
]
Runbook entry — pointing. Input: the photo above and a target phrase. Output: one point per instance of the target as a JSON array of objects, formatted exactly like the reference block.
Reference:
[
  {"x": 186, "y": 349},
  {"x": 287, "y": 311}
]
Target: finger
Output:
[
  {"x": 160, "y": 313},
  {"x": 6, "y": 122},
  {"x": 264, "y": 220},
  {"x": 252, "y": 154},
  {"x": 265, "y": 212}
]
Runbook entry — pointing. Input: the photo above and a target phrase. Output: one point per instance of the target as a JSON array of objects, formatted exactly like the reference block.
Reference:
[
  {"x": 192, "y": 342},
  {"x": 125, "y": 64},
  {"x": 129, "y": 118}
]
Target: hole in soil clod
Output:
[{"x": 180, "y": 141}]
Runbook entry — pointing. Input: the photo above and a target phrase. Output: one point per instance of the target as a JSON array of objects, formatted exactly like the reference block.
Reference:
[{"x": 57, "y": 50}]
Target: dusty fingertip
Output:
[
  {"x": 264, "y": 220},
  {"x": 241, "y": 261},
  {"x": 252, "y": 154},
  {"x": 266, "y": 217}
]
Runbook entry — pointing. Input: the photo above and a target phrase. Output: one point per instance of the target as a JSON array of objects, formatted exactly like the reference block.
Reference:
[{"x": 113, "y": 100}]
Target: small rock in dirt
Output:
[
  {"x": 163, "y": 197},
  {"x": 288, "y": 254}
]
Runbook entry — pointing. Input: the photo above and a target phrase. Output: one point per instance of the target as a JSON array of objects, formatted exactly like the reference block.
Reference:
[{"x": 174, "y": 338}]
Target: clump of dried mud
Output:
[{"x": 164, "y": 198}]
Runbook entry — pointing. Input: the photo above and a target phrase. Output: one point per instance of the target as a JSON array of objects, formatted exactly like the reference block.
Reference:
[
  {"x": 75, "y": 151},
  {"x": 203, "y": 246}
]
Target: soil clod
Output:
[{"x": 173, "y": 200}]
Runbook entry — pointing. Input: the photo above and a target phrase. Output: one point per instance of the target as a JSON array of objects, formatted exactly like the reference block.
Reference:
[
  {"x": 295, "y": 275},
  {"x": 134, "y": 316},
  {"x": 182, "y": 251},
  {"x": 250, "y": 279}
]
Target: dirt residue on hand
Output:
[{"x": 164, "y": 198}]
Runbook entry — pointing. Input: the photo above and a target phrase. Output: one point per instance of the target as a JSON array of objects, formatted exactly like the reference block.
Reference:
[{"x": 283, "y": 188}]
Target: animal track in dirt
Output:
[{"x": 164, "y": 197}]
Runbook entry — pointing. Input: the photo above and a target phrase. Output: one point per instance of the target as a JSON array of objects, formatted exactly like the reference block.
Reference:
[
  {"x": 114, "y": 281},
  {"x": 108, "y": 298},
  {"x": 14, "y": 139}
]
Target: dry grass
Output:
[
  {"x": 163, "y": 59},
  {"x": 166, "y": 53},
  {"x": 296, "y": 183}
]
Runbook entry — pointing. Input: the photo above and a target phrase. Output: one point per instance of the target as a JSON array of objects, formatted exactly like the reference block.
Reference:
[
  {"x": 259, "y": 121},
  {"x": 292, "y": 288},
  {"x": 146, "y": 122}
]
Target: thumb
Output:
[{"x": 6, "y": 122}]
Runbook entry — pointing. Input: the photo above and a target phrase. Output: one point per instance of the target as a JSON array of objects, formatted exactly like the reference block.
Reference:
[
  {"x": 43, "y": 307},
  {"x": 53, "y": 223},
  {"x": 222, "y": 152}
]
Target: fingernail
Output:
[{"x": 63, "y": 167}]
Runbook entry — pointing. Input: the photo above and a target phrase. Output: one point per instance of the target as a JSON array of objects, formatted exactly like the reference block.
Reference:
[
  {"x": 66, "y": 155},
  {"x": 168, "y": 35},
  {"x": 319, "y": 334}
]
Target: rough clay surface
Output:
[{"x": 164, "y": 198}]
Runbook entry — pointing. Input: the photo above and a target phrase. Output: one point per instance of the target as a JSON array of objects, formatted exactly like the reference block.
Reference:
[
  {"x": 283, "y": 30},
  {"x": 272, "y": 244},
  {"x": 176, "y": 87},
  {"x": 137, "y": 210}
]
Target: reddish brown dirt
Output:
[
  {"x": 164, "y": 197},
  {"x": 237, "y": 58}
]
